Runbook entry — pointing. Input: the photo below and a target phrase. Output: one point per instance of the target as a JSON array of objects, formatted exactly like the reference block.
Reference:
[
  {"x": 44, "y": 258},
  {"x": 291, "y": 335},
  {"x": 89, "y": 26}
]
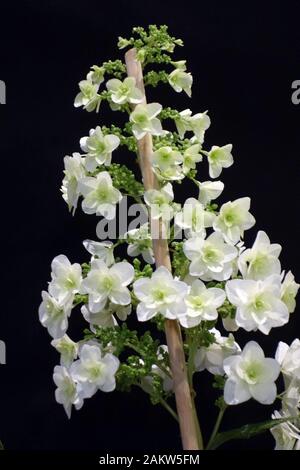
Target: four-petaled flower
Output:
[
  {"x": 258, "y": 303},
  {"x": 218, "y": 158},
  {"x": 98, "y": 148},
  {"x": 53, "y": 314},
  {"x": 234, "y": 218},
  {"x": 202, "y": 304},
  {"x": 250, "y": 375},
  {"x": 159, "y": 202},
  {"x": 211, "y": 259},
  {"x": 181, "y": 80},
  {"x": 100, "y": 197},
  {"x": 103, "y": 283},
  {"x": 160, "y": 294},
  {"x": 261, "y": 260},
  {"x": 66, "y": 279},
  {"x": 124, "y": 92},
  {"x": 88, "y": 96},
  {"x": 144, "y": 120},
  {"x": 210, "y": 190},
  {"x": 93, "y": 371},
  {"x": 68, "y": 392}
]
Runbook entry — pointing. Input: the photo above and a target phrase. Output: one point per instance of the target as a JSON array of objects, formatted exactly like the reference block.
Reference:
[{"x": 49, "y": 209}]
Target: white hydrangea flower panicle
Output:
[
  {"x": 261, "y": 260},
  {"x": 189, "y": 269},
  {"x": 258, "y": 303},
  {"x": 211, "y": 258},
  {"x": 68, "y": 392},
  {"x": 250, "y": 375},
  {"x": 144, "y": 120},
  {"x": 98, "y": 148},
  {"x": 202, "y": 304},
  {"x": 160, "y": 294},
  {"x": 66, "y": 279},
  {"x": 234, "y": 218},
  {"x": 95, "y": 371},
  {"x": 99, "y": 195},
  {"x": 212, "y": 357},
  {"x": 103, "y": 283}
]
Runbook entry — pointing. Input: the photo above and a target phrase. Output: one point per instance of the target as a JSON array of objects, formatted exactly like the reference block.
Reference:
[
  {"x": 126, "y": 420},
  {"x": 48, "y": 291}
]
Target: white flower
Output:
[
  {"x": 173, "y": 173},
  {"x": 193, "y": 218},
  {"x": 66, "y": 278},
  {"x": 160, "y": 294},
  {"x": 198, "y": 124},
  {"x": 88, "y": 96},
  {"x": 67, "y": 348},
  {"x": 212, "y": 357},
  {"x": 210, "y": 190},
  {"x": 180, "y": 80},
  {"x": 98, "y": 148},
  {"x": 100, "y": 197},
  {"x": 124, "y": 92},
  {"x": 286, "y": 435},
  {"x": 144, "y": 120},
  {"x": 202, "y": 304},
  {"x": 211, "y": 258},
  {"x": 191, "y": 156},
  {"x": 94, "y": 371},
  {"x": 53, "y": 314},
  {"x": 234, "y": 218},
  {"x": 289, "y": 359},
  {"x": 166, "y": 157},
  {"x": 103, "y": 283},
  {"x": 96, "y": 75},
  {"x": 140, "y": 243},
  {"x": 105, "y": 317},
  {"x": 101, "y": 250},
  {"x": 289, "y": 291},
  {"x": 250, "y": 374},
  {"x": 159, "y": 202},
  {"x": 74, "y": 172},
  {"x": 68, "y": 393},
  {"x": 218, "y": 158},
  {"x": 291, "y": 397},
  {"x": 261, "y": 260},
  {"x": 258, "y": 303}
]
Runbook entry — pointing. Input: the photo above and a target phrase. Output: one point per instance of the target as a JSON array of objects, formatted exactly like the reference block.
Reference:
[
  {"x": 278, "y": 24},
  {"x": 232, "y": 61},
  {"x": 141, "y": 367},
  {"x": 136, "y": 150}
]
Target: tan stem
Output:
[{"x": 184, "y": 401}]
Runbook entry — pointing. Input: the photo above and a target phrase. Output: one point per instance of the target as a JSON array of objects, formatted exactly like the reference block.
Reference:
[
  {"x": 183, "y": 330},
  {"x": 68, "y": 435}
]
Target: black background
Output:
[{"x": 244, "y": 57}]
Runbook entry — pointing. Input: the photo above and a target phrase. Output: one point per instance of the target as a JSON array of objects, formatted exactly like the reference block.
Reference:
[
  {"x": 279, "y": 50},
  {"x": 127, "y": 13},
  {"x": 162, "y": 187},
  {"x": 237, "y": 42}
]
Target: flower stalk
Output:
[{"x": 191, "y": 439}]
